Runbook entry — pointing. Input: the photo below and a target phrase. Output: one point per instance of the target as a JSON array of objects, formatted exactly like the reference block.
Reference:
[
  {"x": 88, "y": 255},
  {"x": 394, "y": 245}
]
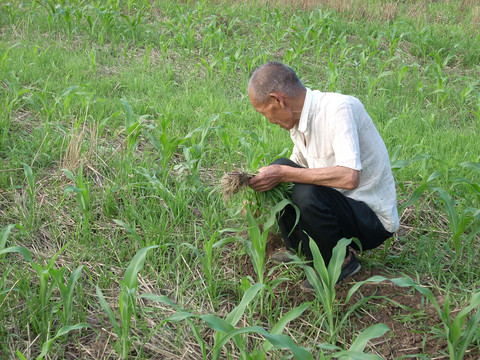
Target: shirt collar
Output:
[{"x": 303, "y": 122}]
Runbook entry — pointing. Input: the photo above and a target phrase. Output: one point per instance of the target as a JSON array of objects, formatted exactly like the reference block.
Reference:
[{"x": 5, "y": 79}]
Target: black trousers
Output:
[{"x": 327, "y": 216}]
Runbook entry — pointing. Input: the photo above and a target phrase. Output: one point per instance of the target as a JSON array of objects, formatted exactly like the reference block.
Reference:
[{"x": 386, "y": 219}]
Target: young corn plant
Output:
[
  {"x": 31, "y": 191},
  {"x": 229, "y": 143},
  {"x": 206, "y": 258},
  {"x": 165, "y": 143},
  {"x": 460, "y": 220},
  {"x": 82, "y": 190},
  {"x": 324, "y": 279},
  {"x": 4, "y": 235},
  {"x": 253, "y": 158},
  {"x": 272, "y": 202},
  {"x": 256, "y": 246},
  {"x": 64, "y": 330},
  {"x": 196, "y": 153},
  {"x": 460, "y": 331},
  {"x": 357, "y": 348},
  {"x": 133, "y": 22},
  {"x": 133, "y": 125},
  {"x": 225, "y": 330},
  {"x": 463, "y": 330},
  {"x": 126, "y": 303},
  {"x": 66, "y": 294},
  {"x": 44, "y": 320},
  {"x": 66, "y": 291},
  {"x": 43, "y": 305}
]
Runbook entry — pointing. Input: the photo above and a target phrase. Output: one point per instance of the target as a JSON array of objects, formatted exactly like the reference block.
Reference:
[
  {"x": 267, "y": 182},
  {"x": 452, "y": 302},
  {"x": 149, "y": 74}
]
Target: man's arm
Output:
[{"x": 336, "y": 176}]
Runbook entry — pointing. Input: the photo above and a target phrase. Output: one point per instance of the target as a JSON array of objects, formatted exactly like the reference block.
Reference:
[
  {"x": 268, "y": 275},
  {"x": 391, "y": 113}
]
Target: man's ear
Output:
[{"x": 278, "y": 98}]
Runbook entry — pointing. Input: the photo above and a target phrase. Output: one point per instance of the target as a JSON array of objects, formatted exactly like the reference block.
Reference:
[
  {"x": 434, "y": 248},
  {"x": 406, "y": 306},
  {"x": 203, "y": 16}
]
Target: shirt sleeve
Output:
[{"x": 344, "y": 134}]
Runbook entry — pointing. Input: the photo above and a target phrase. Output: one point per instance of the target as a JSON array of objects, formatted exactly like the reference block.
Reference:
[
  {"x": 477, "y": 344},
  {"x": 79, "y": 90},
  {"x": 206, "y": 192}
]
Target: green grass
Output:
[{"x": 117, "y": 120}]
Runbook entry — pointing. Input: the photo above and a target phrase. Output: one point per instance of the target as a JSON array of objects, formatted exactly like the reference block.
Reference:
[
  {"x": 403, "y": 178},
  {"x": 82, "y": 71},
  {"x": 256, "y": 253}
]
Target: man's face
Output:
[{"x": 275, "y": 112}]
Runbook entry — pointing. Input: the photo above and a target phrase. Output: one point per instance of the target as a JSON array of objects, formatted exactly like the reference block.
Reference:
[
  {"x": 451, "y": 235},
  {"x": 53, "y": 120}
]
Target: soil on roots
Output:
[{"x": 234, "y": 181}]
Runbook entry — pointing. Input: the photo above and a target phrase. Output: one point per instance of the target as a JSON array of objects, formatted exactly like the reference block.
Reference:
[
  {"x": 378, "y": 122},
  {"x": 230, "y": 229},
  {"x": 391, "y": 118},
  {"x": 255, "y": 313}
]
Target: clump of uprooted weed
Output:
[{"x": 233, "y": 182}]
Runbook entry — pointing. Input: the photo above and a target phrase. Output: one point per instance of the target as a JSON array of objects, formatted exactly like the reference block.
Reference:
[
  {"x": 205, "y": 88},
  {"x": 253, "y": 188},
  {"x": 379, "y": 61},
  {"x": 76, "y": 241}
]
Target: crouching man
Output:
[{"x": 340, "y": 168}]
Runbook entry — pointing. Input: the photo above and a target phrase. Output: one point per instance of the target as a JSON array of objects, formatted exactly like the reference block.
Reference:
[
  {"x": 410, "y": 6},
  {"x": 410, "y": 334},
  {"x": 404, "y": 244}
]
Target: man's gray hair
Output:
[{"x": 272, "y": 77}]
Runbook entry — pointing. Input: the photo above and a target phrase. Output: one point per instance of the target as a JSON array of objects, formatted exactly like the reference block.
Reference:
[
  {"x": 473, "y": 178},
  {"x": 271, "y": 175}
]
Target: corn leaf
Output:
[{"x": 130, "y": 279}]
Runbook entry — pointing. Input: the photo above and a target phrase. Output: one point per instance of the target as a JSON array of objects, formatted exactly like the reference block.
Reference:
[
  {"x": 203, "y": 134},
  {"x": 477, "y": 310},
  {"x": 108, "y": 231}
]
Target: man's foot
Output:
[
  {"x": 281, "y": 256},
  {"x": 349, "y": 267}
]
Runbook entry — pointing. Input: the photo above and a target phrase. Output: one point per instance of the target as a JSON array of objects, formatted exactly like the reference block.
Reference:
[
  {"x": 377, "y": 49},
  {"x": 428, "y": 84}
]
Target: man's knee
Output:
[
  {"x": 303, "y": 196},
  {"x": 313, "y": 198},
  {"x": 285, "y": 161}
]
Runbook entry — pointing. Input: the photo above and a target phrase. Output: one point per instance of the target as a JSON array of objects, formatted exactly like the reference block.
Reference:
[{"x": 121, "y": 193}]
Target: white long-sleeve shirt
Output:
[{"x": 336, "y": 130}]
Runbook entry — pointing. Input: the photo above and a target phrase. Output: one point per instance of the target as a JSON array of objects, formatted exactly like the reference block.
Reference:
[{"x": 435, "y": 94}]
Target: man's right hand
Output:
[{"x": 267, "y": 178}]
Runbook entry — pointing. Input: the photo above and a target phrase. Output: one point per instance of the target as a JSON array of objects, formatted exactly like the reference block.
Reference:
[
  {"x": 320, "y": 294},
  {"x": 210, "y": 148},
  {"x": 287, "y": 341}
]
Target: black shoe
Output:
[
  {"x": 352, "y": 266},
  {"x": 282, "y": 256}
]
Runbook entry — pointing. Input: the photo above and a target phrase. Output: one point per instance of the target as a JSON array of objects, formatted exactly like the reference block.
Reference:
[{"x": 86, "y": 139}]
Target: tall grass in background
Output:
[{"x": 138, "y": 108}]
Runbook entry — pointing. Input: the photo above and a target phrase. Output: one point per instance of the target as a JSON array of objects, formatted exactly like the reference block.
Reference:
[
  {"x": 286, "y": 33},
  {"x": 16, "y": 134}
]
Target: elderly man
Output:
[{"x": 343, "y": 184}]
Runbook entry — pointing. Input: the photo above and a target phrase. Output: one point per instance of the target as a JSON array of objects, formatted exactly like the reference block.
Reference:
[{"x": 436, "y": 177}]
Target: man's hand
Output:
[{"x": 267, "y": 178}]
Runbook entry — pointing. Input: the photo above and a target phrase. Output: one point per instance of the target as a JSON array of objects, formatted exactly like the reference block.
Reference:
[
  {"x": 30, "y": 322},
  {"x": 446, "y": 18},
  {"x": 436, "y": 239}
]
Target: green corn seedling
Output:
[
  {"x": 463, "y": 329},
  {"x": 460, "y": 331},
  {"x": 226, "y": 331},
  {"x": 131, "y": 231},
  {"x": 195, "y": 154},
  {"x": 64, "y": 330},
  {"x": 229, "y": 143},
  {"x": 126, "y": 302},
  {"x": 82, "y": 190},
  {"x": 133, "y": 22},
  {"x": 459, "y": 221},
  {"x": 166, "y": 144},
  {"x": 4, "y": 234},
  {"x": 45, "y": 291},
  {"x": 324, "y": 282},
  {"x": 253, "y": 158},
  {"x": 133, "y": 126},
  {"x": 356, "y": 350},
  {"x": 30, "y": 190},
  {"x": 324, "y": 279},
  {"x": 66, "y": 290},
  {"x": 207, "y": 259},
  {"x": 256, "y": 246}
]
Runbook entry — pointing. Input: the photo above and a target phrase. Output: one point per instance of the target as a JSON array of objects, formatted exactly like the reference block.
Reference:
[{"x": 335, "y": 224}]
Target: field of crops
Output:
[{"x": 118, "y": 120}]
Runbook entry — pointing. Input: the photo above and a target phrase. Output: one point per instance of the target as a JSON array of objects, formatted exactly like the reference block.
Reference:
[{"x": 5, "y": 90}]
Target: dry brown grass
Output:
[
  {"x": 73, "y": 155},
  {"x": 73, "y": 151}
]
